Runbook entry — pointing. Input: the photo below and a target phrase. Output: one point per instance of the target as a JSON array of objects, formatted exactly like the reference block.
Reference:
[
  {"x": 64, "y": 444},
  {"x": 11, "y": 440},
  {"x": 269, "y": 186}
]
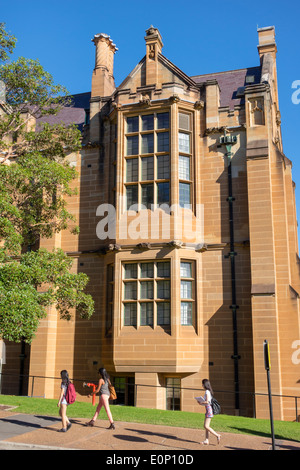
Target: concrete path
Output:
[{"x": 27, "y": 432}]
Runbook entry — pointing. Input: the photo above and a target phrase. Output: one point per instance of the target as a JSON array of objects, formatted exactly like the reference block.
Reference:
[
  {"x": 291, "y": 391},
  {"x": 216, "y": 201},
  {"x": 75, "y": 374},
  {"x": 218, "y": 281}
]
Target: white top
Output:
[
  {"x": 207, "y": 396},
  {"x": 64, "y": 401}
]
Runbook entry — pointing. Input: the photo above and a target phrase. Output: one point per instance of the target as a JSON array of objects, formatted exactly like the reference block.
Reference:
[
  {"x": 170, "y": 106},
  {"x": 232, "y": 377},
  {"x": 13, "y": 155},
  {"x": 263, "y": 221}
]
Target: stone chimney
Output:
[
  {"x": 267, "y": 50},
  {"x": 154, "y": 46},
  {"x": 266, "y": 41},
  {"x": 103, "y": 83}
]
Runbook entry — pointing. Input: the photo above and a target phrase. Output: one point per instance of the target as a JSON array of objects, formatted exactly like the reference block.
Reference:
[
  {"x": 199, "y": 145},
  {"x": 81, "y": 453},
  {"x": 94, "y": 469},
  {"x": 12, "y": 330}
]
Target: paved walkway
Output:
[{"x": 28, "y": 432}]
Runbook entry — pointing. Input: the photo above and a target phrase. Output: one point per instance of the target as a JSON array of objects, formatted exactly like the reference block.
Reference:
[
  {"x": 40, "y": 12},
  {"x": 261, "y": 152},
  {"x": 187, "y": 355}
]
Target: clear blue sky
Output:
[{"x": 199, "y": 37}]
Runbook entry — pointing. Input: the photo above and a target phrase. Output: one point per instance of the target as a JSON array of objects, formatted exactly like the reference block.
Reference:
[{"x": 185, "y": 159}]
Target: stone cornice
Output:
[{"x": 172, "y": 245}]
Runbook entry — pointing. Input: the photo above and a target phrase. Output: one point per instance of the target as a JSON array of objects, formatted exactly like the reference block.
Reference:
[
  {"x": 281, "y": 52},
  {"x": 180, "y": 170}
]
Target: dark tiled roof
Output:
[
  {"x": 229, "y": 82},
  {"x": 81, "y": 100},
  {"x": 70, "y": 114}
]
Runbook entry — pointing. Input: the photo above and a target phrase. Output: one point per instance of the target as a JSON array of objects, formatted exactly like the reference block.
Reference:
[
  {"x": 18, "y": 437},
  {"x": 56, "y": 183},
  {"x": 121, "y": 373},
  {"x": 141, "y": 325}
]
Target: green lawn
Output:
[{"x": 224, "y": 423}]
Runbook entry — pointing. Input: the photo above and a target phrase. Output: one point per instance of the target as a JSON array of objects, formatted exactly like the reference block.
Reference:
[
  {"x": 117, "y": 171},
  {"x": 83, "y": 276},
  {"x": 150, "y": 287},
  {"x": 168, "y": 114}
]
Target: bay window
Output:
[
  {"x": 146, "y": 293},
  {"x": 147, "y": 160}
]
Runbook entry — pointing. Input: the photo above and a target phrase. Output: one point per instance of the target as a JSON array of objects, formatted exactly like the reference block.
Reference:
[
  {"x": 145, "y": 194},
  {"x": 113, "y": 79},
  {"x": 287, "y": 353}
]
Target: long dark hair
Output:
[
  {"x": 65, "y": 377},
  {"x": 207, "y": 386},
  {"x": 104, "y": 374}
]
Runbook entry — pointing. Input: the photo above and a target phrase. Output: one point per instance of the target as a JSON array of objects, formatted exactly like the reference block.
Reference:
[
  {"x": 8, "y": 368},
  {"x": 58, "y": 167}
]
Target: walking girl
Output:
[
  {"x": 208, "y": 412},
  {"x": 103, "y": 388},
  {"x": 62, "y": 402}
]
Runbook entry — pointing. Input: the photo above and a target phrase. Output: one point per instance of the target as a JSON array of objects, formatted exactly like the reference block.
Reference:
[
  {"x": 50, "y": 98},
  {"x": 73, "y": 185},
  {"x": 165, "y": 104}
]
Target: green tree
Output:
[{"x": 35, "y": 178}]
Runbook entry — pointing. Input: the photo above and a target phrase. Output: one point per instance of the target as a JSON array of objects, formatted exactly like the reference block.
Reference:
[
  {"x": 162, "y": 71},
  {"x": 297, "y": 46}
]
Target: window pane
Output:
[
  {"x": 146, "y": 290},
  {"x": 173, "y": 382},
  {"x": 131, "y": 195},
  {"x": 147, "y": 143},
  {"x": 163, "y": 289},
  {"x": 147, "y": 270},
  {"x": 130, "y": 291},
  {"x": 130, "y": 271},
  {"x": 133, "y": 145},
  {"x": 163, "y": 121},
  {"x": 130, "y": 314},
  {"x": 147, "y": 195},
  {"x": 146, "y": 310},
  {"x": 163, "y": 142},
  {"x": 163, "y": 313},
  {"x": 163, "y": 269},
  {"x": 185, "y": 269},
  {"x": 184, "y": 168},
  {"x": 133, "y": 124},
  {"x": 186, "y": 313},
  {"x": 186, "y": 289},
  {"x": 173, "y": 393},
  {"x": 163, "y": 193},
  {"x": 184, "y": 142},
  {"x": 184, "y": 194},
  {"x": 147, "y": 168},
  {"x": 132, "y": 170},
  {"x": 184, "y": 121},
  {"x": 148, "y": 122},
  {"x": 163, "y": 167}
]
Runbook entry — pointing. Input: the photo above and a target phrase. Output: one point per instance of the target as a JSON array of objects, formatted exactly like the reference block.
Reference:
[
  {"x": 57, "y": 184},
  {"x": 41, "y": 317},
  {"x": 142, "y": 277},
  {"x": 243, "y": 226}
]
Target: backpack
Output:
[
  {"x": 112, "y": 391},
  {"x": 216, "y": 407},
  {"x": 71, "y": 394}
]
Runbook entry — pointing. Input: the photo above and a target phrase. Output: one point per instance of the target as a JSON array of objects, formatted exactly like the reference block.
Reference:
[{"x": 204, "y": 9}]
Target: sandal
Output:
[{"x": 90, "y": 423}]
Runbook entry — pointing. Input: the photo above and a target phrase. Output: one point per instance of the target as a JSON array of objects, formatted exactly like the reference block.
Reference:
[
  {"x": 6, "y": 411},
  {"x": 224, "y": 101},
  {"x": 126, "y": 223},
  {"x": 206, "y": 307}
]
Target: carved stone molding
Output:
[
  {"x": 257, "y": 115},
  {"x": 144, "y": 246},
  {"x": 214, "y": 130},
  {"x": 145, "y": 100},
  {"x": 199, "y": 104},
  {"x": 174, "y": 99},
  {"x": 201, "y": 247},
  {"x": 175, "y": 244},
  {"x": 112, "y": 247}
]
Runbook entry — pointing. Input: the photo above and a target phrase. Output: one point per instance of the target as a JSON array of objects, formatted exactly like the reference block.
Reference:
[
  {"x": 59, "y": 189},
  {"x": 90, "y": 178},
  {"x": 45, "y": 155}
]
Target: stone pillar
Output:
[
  {"x": 212, "y": 103},
  {"x": 149, "y": 393},
  {"x": 103, "y": 83},
  {"x": 153, "y": 48}
]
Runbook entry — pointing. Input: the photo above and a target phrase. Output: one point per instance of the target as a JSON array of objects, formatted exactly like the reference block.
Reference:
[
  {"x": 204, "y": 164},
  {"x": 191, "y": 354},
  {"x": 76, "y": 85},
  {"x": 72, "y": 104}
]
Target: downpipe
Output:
[{"x": 228, "y": 141}]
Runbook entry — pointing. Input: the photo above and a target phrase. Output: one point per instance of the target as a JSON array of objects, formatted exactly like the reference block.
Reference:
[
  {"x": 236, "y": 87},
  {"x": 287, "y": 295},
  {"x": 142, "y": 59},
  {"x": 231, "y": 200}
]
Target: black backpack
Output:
[{"x": 216, "y": 407}]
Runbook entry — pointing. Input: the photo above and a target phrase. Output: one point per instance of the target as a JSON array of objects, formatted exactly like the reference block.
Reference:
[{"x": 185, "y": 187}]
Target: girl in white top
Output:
[
  {"x": 208, "y": 412},
  {"x": 62, "y": 402}
]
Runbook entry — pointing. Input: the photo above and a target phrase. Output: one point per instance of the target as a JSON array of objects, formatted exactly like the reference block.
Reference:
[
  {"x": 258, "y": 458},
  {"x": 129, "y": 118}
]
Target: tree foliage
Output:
[{"x": 35, "y": 178}]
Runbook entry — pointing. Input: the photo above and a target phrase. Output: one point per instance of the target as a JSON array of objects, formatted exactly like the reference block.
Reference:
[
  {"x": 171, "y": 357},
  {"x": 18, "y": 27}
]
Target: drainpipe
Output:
[
  {"x": 22, "y": 364},
  {"x": 228, "y": 141}
]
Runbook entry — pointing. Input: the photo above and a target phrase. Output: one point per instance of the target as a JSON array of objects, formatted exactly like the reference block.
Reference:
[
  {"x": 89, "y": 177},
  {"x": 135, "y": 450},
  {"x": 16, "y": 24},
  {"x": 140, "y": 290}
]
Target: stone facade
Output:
[{"x": 181, "y": 299}]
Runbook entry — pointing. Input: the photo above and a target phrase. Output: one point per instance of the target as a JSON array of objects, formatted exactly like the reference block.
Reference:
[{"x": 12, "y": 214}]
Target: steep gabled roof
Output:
[
  {"x": 185, "y": 78},
  {"x": 229, "y": 82}
]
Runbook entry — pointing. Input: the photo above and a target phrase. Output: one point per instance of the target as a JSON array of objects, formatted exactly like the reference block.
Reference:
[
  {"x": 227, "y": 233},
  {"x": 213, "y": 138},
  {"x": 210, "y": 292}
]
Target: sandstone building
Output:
[{"x": 190, "y": 281}]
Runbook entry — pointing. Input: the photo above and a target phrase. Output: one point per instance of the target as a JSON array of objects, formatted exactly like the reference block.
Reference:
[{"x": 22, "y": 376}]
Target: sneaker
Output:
[
  {"x": 68, "y": 426},
  {"x": 63, "y": 430}
]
